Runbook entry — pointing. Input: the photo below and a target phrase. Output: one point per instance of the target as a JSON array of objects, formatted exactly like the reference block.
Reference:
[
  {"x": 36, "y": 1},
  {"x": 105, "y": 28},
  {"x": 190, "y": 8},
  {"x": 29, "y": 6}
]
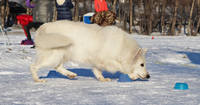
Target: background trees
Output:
[{"x": 167, "y": 17}]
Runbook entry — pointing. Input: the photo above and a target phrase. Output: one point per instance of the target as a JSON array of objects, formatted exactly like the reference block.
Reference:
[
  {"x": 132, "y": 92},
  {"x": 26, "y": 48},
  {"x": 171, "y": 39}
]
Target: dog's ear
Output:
[{"x": 140, "y": 52}]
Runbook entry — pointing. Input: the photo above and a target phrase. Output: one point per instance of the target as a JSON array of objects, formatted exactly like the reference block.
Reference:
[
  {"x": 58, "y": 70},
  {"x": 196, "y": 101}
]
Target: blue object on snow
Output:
[
  {"x": 124, "y": 78},
  {"x": 87, "y": 19},
  {"x": 181, "y": 86}
]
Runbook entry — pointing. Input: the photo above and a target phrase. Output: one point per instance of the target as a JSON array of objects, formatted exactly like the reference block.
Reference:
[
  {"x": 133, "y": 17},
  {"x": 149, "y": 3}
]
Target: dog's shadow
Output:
[{"x": 80, "y": 72}]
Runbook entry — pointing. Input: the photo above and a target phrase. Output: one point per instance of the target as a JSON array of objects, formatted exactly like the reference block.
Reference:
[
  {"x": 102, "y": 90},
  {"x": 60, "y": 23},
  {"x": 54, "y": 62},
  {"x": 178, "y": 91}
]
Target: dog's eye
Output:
[{"x": 142, "y": 64}]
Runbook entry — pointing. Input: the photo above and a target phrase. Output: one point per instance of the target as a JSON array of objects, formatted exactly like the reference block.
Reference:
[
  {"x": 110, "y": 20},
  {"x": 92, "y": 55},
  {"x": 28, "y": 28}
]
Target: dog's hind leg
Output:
[
  {"x": 99, "y": 76},
  {"x": 34, "y": 68},
  {"x": 39, "y": 63},
  {"x": 60, "y": 68},
  {"x": 45, "y": 58}
]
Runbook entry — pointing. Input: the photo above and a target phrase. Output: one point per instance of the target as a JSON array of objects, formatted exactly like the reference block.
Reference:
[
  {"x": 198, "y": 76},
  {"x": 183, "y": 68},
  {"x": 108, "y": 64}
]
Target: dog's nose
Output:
[{"x": 148, "y": 76}]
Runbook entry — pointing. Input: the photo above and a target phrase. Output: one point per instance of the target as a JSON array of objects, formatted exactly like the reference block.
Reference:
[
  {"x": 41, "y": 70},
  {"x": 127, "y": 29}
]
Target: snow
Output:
[{"x": 170, "y": 59}]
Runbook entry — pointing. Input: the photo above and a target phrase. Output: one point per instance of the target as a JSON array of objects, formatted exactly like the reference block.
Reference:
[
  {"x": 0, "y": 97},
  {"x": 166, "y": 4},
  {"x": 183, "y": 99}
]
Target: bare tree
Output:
[
  {"x": 131, "y": 15},
  {"x": 198, "y": 15},
  {"x": 190, "y": 18},
  {"x": 114, "y": 6},
  {"x": 164, "y": 2},
  {"x": 174, "y": 18},
  {"x": 148, "y": 16},
  {"x": 4, "y": 7},
  {"x": 76, "y": 11}
]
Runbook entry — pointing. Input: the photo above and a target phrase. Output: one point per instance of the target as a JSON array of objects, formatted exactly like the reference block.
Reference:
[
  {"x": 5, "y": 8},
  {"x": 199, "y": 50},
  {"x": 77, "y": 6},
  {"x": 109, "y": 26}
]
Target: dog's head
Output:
[{"x": 138, "y": 68}]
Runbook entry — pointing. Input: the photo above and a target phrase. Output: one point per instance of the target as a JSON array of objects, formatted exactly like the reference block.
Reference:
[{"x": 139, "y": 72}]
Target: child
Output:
[{"x": 42, "y": 13}]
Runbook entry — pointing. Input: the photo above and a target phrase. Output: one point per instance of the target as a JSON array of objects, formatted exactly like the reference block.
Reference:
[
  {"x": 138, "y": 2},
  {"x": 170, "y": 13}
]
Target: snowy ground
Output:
[{"x": 169, "y": 60}]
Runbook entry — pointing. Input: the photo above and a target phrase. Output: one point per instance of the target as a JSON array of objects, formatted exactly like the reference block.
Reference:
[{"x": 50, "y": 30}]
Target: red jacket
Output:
[
  {"x": 100, "y": 5},
  {"x": 24, "y": 19}
]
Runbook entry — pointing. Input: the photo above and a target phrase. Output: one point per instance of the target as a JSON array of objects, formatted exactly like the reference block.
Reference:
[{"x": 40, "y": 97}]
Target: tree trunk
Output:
[
  {"x": 4, "y": 7},
  {"x": 125, "y": 21},
  {"x": 76, "y": 16},
  {"x": 119, "y": 12},
  {"x": 84, "y": 7},
  {"x": 190, "y": 19},
  {"x": 141, "y": 24},
  {"x": 148, "y": 16},
  {"x": 91, "y": 3},
  {"x": 181, "y": 21},
  {"x": 114, "y": 6},
  {"x": 174, "y": 18},
  {"x": 131, "y": 15},
  {"x": 124, "y": 15},
  {"x": 141, "y": 17},
  {"x": 198, "y": 15},
  {"x": 145, "y": 24},
  {"x": 164, "y": 2},
  {"x": 54, "y": 12}
]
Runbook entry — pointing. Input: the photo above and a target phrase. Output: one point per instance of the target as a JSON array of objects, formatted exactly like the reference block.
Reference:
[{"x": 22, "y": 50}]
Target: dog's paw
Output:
[
  {"x": 40, "y": 80},
  {"x": 104, "y": 79},
  {"x": 71, "y": 76}
]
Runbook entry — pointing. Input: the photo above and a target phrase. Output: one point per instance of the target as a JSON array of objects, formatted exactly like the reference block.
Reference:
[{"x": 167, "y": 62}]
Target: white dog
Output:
[{"x": 103, "y": 48}]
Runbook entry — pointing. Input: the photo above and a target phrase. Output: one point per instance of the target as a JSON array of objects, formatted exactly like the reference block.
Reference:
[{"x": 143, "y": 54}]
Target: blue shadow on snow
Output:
[
  {"x": 85, "y": 73},
  {"x": 193, "y": 57},
  {"x": 80, "y": 72}
]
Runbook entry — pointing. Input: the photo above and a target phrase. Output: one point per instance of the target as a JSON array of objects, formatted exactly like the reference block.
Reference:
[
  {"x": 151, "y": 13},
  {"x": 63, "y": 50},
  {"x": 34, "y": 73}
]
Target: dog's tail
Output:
[
  {"x": 49, "y": 41},
  {"x": 46, "y": 40},
  {"x": 52, "y": 40}
]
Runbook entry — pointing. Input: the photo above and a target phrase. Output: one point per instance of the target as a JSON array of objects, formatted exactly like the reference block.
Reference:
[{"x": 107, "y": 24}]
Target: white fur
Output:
[{"x": 103, "y": 48}]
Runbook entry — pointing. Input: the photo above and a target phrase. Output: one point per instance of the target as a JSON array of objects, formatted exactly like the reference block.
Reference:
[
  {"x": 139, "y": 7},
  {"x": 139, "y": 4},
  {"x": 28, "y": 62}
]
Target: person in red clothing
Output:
[
  {"x": 42, "y": 13},
  {"x": 27, "y": 28}
]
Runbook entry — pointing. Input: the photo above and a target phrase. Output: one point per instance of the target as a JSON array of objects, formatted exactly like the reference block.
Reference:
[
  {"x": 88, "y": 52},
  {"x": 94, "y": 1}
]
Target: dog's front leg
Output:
[
  {"x": 65, "y": 72},
  {"x": 99, "y": 76}
]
